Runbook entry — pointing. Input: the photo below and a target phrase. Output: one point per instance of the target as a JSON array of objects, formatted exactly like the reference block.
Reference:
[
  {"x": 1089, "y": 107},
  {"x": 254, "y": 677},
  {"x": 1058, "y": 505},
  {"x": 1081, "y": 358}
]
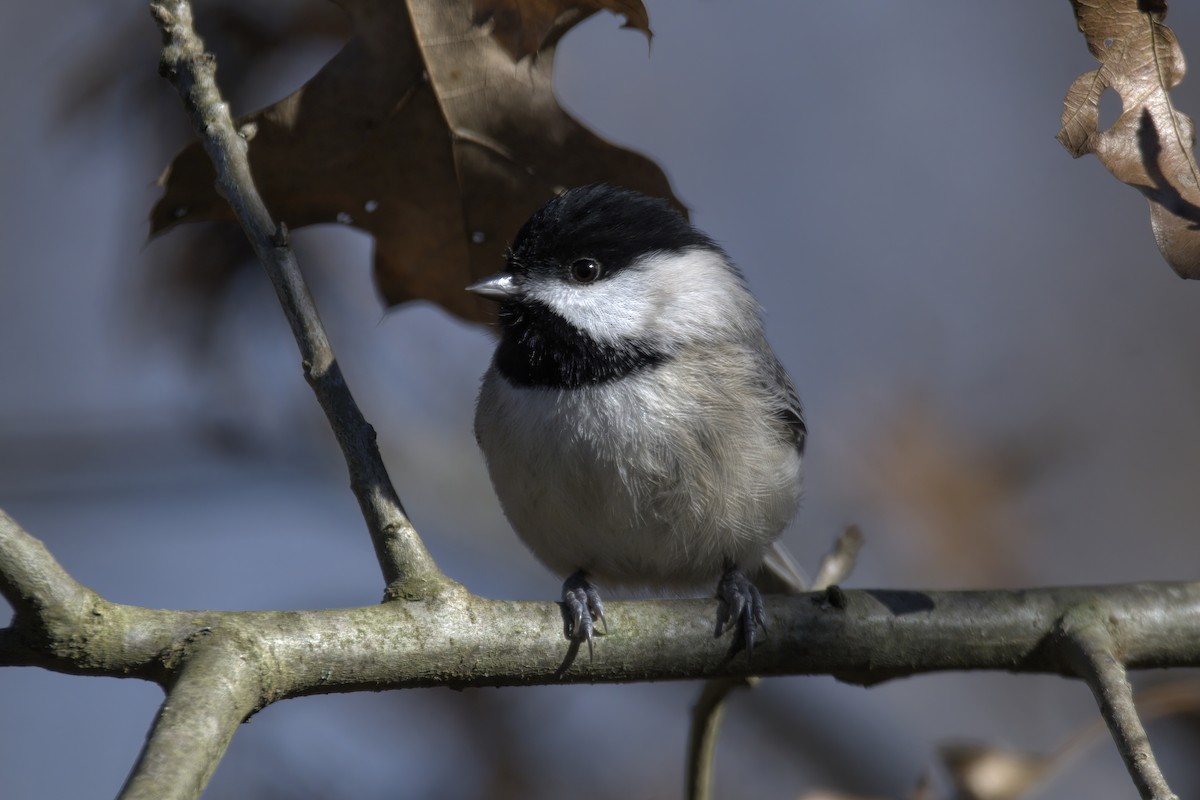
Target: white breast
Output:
[{"x": 657, "y": 479}]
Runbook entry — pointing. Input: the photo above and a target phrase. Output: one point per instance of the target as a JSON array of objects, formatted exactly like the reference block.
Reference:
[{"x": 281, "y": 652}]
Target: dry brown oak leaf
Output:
[
  {"x": 525, "y": 27},
  {"x": 427, "y": 133},
  {"x": 1150, "y": 145}
]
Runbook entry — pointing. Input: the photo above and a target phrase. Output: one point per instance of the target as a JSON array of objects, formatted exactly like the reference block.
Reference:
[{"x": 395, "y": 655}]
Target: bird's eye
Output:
[{"x": 585, "y": 270}]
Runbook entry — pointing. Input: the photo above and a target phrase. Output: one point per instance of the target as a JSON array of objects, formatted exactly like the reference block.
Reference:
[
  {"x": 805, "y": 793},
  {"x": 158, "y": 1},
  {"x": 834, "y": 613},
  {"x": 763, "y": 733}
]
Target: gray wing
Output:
[
  {"x": 780, "y": 572},
  {"x": 786, "y": 402}
]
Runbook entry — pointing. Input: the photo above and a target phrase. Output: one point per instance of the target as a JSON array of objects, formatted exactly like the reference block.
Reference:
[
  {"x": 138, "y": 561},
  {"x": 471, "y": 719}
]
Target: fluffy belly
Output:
[{"x": 634, "y": 490}]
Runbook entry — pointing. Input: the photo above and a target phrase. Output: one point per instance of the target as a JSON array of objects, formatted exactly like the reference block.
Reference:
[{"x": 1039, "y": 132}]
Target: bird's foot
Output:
[
  {"x": 741, "y": 608},
  {"x": 582, "y": 609}
]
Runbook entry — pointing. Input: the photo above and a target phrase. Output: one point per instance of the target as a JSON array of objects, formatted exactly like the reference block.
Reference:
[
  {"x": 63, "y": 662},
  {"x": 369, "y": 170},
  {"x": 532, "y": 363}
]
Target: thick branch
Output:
[
  {"x": 458, "y": 639},
  {"x": 407, "y": 567},
  {"x": 461, "y": 640}
]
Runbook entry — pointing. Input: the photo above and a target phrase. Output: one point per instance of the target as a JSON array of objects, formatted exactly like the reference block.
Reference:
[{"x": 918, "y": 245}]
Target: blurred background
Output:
[{"x": 998, "y": 370}]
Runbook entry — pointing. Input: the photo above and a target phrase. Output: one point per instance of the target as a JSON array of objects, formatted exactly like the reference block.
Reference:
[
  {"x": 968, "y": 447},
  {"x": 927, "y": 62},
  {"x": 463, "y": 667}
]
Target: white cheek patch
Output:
[
  {"x": 610, "y": 310},
  {"x": 665, "y": 297},
  {"x": 701, "y": 298}
]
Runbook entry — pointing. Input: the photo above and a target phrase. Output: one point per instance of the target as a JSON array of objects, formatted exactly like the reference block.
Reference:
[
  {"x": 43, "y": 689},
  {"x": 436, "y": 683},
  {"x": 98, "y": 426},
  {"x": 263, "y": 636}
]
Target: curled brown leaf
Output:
[
  {"x": 1150, "y": 146},
  {"x": 424, "y": 132},
  {"x": 525, "y": 27}
]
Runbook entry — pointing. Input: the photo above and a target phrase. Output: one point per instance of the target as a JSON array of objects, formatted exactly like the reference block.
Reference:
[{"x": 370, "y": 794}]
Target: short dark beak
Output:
[{"x": 497, "y": 287}]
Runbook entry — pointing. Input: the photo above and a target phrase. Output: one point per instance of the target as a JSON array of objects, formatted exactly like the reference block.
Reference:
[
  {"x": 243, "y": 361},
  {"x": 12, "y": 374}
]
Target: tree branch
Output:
[
  {"x": 219, "y": 667},
  {"x": 407, "y": 567},
  {"x": 462, "y": 640},
  {"x": 214, "y": 692},
  {"x": 709, "y": 710},
  {"x": 457, "y": 639},
  {"x": 32, "y": 581},
  {"x": 707, "y": 715},
  {"x": 1092, "y": 654},
  {"x": 62, "y": 625}
]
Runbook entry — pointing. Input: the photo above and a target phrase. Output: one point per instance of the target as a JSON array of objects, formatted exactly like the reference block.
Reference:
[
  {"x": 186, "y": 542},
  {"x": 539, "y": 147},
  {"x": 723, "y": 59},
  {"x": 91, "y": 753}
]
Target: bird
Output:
[{"x": 638, "y": 429}]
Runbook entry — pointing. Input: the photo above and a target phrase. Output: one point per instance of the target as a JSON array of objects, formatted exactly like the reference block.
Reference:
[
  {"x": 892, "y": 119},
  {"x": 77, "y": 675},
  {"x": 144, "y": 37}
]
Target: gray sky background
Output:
[{"x": 998, "y": 369}]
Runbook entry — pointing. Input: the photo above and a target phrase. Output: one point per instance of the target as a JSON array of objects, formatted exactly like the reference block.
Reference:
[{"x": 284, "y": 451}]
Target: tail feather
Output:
[{"x": 780, "y": 574}]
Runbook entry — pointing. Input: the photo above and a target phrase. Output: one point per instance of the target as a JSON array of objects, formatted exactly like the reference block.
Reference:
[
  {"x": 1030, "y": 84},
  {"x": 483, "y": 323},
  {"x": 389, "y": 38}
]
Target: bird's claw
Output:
[
  {"x": 582, "y": 609},
  {"x": 741, "y": 608}
]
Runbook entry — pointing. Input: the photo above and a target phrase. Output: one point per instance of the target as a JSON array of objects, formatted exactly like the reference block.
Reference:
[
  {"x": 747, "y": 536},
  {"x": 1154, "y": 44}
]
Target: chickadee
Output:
[{"x": 638, "y": 429}]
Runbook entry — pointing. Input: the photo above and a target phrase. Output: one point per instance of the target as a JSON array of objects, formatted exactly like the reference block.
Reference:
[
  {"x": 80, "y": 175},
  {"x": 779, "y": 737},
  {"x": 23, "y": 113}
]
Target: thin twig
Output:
[
  {"x": 32, "y": 581},
  {"x": 408, "y": 569},
  {"x": 62, "y": 625},
  {"x": 216, "y": 690},
  {"x": 1092, "y": 653},
  {"x": 707, "y": 715},
  {"x": 972, "y": 766},
  {"x": 839, "y": 561},
  {"x": 709, "y": 710}
]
